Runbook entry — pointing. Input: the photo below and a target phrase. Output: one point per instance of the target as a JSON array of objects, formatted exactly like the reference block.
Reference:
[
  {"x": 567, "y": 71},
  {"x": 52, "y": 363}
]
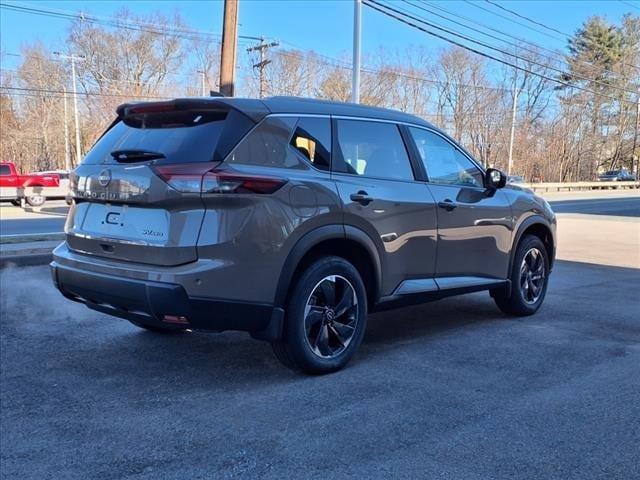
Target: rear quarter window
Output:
[{"x": 267, "y": 145}]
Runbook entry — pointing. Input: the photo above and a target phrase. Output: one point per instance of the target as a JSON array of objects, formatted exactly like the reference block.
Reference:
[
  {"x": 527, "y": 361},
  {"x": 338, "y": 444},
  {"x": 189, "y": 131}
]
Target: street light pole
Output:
[
  {"x": 357, "y": 27},
  {"x": 513, "y": 128},
  {"x": 67, "y": 155},
  {"x": 202, "y": 82},
  {"x": 74, "y": 59},
  {"x": 636, "y": 167}
]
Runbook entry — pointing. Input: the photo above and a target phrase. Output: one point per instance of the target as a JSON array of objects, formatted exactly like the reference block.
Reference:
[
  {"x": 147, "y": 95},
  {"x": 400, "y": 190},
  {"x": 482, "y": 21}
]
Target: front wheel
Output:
[
  {"x": 326, "y": 317},
  {"x": 36, "y": 200},
  {"x": 529, "y": 279}
]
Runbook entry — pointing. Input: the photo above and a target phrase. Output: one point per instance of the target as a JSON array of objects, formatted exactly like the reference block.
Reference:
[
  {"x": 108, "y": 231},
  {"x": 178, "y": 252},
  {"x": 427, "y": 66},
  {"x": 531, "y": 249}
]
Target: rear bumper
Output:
[{"x": 164, "y": 304}]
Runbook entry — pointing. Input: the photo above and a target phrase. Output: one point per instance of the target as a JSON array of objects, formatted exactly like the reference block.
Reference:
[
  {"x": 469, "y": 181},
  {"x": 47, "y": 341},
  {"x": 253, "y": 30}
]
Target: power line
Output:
[
  {"x": 115, "y": 22},
  {"x": 551, "y": 29},
  {"x": 629, "y": 4},
  {"x": 98, "y": 94},
  {"x": 512, "y": 20},
  {"x": 555, "y": 54},
  {"x": 381, "y": 8},
  {"x": 504, "y": 52}
]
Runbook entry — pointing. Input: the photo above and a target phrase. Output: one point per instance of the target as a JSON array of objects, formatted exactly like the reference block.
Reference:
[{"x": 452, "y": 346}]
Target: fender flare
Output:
[
  {"x": 315, "y": 237},
  {"x": 528, "y": 222}
]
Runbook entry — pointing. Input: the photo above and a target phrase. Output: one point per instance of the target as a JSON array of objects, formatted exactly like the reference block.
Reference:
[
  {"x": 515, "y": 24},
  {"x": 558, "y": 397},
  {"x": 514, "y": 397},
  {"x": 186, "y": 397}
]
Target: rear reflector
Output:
[
  {"x": 179, "y": 319},
  {"x": 204, "y": 178}
]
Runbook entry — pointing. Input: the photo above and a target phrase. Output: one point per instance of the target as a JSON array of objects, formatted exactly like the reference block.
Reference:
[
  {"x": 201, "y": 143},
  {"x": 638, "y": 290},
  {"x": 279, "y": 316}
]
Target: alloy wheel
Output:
[
  {"x": 330, "y": 316},
  {"x": 532, "y": 276}
]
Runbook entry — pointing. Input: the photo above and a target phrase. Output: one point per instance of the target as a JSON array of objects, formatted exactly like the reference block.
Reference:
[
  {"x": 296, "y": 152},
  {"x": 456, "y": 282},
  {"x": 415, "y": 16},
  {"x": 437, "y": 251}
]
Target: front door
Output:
[{"x": 474, "y": 223}]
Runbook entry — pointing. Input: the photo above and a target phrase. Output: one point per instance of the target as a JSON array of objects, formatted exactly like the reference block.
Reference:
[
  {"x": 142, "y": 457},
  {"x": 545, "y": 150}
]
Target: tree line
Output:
[{"x": 574, "y": 113}]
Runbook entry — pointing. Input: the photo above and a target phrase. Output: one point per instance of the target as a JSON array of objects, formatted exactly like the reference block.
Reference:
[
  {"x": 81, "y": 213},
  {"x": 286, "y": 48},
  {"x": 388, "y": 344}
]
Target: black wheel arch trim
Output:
[
  {"x": 315, "y": 237},
  {"x": 529, "y": 222}
]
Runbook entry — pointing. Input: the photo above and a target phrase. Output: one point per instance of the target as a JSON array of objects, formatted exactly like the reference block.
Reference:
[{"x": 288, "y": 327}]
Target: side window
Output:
[
  {"x": 267, "y": 145},
  {"x": 312, "y": 139},
  {"x": 444, "y": 162},
  {"x": 373, "y": 149},
  {"x": 5, "y": 170}
]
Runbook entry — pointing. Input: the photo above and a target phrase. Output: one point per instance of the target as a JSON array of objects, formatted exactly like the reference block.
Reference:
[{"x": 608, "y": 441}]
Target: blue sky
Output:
[{"x": 323, "y": 26}]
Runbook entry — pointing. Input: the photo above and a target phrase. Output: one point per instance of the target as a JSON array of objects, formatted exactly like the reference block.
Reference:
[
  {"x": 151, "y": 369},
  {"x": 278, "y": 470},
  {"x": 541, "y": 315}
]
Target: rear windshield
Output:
[{"x": 181, "y": 137}]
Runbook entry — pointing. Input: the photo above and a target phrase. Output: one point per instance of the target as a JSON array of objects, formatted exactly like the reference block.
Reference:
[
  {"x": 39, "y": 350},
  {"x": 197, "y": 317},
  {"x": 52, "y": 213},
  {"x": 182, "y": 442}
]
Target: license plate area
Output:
[{"x": 123, "y": 222}]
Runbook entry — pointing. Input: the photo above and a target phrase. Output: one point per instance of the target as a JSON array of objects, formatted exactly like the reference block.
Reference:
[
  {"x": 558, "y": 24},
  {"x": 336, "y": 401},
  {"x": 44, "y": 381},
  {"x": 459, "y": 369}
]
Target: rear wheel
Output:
[
  {"x": 326, "y": 317},
  {"x": 36, "y": 200},
  {"x": 529, "y": 279}
]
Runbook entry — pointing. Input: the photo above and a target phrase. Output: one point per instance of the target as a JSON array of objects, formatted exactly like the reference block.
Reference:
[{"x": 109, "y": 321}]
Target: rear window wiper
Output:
[{"x": 124, "y": 156}]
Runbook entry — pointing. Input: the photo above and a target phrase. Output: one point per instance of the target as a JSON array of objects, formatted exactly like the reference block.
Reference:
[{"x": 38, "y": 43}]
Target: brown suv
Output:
[{"x": 292, "y": 219}]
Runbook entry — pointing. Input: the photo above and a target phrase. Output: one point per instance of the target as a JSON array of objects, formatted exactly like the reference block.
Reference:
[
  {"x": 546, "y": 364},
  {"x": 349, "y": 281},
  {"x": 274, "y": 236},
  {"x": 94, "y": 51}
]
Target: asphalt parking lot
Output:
[{"x": 451, "y": 390}]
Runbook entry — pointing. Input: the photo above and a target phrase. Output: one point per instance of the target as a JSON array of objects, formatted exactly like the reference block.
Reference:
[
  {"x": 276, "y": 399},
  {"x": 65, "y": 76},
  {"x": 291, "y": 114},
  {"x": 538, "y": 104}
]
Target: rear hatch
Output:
[{"x": 137, "y": 192}]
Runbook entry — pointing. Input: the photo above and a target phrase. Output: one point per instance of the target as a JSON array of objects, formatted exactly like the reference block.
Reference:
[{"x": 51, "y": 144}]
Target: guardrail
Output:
[{"x": 569, "y": 186}]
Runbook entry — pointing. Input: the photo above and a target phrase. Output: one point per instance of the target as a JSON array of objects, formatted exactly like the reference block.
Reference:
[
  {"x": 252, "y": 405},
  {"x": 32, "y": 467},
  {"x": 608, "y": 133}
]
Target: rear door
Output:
[
  {"x": 381, "y": 196},
  {"x": 138, "y": 191},
  {"x": 474, "y": 224}
]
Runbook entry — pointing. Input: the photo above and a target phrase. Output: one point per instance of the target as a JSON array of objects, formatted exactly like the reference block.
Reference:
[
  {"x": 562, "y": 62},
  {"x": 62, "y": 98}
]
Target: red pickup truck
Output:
[{"x": 14, "y": 186}]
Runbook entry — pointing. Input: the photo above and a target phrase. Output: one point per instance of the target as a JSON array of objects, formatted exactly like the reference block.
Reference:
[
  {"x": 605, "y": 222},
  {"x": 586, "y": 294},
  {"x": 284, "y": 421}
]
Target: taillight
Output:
[
  {"x": 233, "y": 182},
  {"x": 184, "y": 177},
  {"x": 204, "y": 178}
]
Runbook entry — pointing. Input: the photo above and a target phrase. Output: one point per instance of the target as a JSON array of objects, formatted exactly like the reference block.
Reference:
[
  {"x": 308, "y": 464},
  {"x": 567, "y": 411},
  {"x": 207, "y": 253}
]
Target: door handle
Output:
[
  {"x": 361, "y": 197},
  {"x": 447, "y": 204}
]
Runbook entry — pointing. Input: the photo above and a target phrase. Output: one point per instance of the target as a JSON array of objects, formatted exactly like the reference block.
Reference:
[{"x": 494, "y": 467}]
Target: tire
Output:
[
  {"x": 324, "y": 340},
  {"x": 524, "y": 299},
  {"x": 36, "y": 200},
  {"x": 157, "y": 329}
]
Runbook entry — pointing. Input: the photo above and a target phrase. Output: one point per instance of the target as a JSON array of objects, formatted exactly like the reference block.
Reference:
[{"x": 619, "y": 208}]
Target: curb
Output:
[
  {"x": 34, "y": 237},
  {"x": 27, "y": 253},
  {"x": 29, "y": 260}
]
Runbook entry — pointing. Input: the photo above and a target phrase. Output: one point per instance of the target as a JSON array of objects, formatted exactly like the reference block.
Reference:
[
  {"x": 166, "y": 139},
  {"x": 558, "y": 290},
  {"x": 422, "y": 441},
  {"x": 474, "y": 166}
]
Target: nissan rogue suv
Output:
[{"x": 292, "y": 219}]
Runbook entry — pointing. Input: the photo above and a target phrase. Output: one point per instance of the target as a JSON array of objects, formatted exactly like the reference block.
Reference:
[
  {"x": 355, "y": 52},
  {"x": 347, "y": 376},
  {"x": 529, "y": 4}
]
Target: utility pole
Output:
[
  {"x": 228, "y": 48},
  {"x": 357, "y": 28},
  {"x": 74, "y": 59},
  {"x": 262, "y": 47},
  {"x": 67, "y": 154},
  {"x": 203, "y": 89},
  {"x": 513, "y": 128},
  {"x": 635, "y": 166}
]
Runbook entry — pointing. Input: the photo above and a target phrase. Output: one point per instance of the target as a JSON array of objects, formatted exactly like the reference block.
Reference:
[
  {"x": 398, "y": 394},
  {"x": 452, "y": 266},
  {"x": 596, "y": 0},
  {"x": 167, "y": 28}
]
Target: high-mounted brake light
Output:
[
  {"x": 158, "y": 107},
  {"x": 204, "y": 178}
]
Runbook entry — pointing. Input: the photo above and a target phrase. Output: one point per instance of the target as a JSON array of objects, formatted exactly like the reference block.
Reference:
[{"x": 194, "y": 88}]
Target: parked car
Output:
[
  {"x": 621, "y": 175},
  {"x": 13, "y": 185},
  {"x": 515, "y": 179},
  {"x": 292, "y": 219}
]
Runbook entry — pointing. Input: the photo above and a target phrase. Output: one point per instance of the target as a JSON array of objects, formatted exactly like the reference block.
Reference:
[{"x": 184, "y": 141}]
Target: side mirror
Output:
[{"x": 495, "y": 179}]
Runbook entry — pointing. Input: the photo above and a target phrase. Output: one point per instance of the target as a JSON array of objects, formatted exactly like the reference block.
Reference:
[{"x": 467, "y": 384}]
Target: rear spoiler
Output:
[{"x": 255, "y": 110}]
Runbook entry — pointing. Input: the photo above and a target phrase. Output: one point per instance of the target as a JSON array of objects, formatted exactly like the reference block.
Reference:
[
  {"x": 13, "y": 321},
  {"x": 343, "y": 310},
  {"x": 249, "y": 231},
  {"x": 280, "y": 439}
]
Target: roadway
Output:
[{"x": 451, "y": 390}]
